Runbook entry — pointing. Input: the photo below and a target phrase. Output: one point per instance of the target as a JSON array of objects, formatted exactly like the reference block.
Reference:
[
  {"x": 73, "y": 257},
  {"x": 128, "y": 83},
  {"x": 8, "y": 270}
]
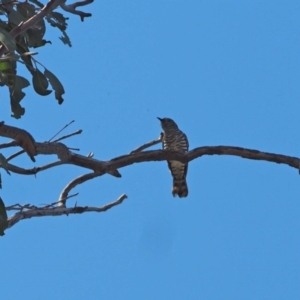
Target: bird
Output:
[{"x": 174, "y": 139}]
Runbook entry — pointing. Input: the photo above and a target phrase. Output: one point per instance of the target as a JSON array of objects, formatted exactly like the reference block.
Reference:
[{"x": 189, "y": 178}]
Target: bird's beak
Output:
[{"x": 159, "y": 119}]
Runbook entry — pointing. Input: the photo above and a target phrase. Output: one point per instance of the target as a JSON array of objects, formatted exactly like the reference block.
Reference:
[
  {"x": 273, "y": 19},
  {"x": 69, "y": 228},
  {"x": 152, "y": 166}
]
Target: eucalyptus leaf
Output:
[
  {"x": 5, "y": 65},
  {"x": 15, "y": 17},
  {"x": 23, "y": 49},
  {"x": 65, "y": 39},
  {"x": 38, "y": 3},
  {"x": 56, "y": 85},
  {"x": 26, "y": 9},
  {"x": 7, "y": 40},
  {"x": 10, "y": 56},
  {"x": 3, "y": 217},
  {"x": 16, "y": 95},
  {"x": 3, "y": 163},
  {"x": 42, "y": 43},
  {"x": 58, "y": 20},
  {"x": 35, "y": 34},
  {"x": 3, "y": 79},
  {"x": 40, "y": 83},
  {"x": 9, "y": 69}
]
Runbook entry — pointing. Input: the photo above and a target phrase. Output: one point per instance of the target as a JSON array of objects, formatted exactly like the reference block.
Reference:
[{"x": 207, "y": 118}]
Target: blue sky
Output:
[{"x": 228, "y": 73}]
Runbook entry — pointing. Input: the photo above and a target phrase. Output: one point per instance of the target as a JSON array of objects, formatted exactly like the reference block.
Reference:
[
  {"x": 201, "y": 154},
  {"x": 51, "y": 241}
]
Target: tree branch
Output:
[
  {"x": 58, "y": 211},
  {"x": 23, "y": 26},
  {"x": 48, "y": 8},
  {"x": 159, "y": 155},
  {"x": 149, "y": 144},
  {"x": 71, "y": 8},
  {"x": 101, "y": 167},
  {"x": 8, "y": 145},
  {"x": 72, "y": 184},
  {"x": 22, "y": 137},
  {"x": 67, "y": 136}
]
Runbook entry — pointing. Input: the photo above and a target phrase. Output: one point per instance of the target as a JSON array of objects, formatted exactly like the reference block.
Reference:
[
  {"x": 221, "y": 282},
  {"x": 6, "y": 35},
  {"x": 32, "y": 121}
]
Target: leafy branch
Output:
[{"x": 25, "y": 28}]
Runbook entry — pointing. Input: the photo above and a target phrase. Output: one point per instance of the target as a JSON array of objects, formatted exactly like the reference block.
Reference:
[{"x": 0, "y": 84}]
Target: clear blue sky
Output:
[{"x": 228, "y": 73}]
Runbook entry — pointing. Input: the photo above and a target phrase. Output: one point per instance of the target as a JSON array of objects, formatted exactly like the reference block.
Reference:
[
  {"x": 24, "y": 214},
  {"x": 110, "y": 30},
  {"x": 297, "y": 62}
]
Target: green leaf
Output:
[
  {"x": 3, "y": 163},
  {"x": 5, "y": 66},
  {"x": 3, "y": 79},
  {"x": 40, "y": 83},
  {"x": 3, "y": 217},
  {"x": 10, "y": 56},
  {"x": 42, "y": 43},
  {"x": 58, "y": 20},
  {"x": 65, "y": 39},
  {"x": 22, "y": 49},
  {"x": 15, "y": 17},
  {"x": 7, "y": 40},
  {"x": 38, "y": 3},
  {"x": 35, "y": 34},
  {"x": 26, "y": 9},
  {"x": 16, "y": 95},
  {"x": 56, "y": 85},
  {"x": 9, "y": 74}
]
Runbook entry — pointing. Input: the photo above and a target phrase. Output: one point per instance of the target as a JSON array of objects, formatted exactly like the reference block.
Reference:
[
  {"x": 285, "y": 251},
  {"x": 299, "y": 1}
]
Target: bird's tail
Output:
[{"x": 180, "y": 188}]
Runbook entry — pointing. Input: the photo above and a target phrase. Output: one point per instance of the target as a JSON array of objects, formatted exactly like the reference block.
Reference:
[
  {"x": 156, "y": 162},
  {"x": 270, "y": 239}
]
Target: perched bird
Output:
[{"x": 174, "y": 139}]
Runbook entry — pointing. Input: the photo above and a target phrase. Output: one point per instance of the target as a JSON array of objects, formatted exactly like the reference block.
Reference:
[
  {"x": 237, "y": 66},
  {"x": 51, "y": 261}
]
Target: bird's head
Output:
[{"x": 167, "y": 123}]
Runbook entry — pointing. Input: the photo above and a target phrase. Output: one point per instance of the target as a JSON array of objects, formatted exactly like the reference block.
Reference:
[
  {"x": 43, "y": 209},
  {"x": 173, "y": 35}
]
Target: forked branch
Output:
[
  {"x": 71, "y": 8},
  {"x": 59, "y": 211}
]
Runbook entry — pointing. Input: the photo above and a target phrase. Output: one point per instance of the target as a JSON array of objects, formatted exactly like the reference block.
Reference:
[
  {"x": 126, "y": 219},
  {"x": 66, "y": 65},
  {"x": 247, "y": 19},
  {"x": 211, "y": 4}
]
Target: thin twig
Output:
[
  {"x": 54, "y": 204},
  {"x": 61, "y": 130},
  {"x": 15, "y": 155},
  {"x": 149, "y": 144},
  {"x": 8, "y": 145},
  {"x": 20, "y": 207},
  {"x": 33, "y": 171},
  {"x": 67, "y": 136}
]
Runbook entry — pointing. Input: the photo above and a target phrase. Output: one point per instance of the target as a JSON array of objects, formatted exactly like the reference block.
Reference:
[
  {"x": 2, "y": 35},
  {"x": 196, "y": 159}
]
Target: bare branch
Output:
[
  {"x": 93, "y": 164},
  {"x": 20, "y": 207},
  {"x": 15, "y": 155},
  {"x": 59, "y": 149},
  {"x": 149, "y": 144},
  {"x": 55, "y": 204},
  {"x": 58, "y": 211},
  {"x": 33, "y": 171},
  {"x": 11, "y": 144},
  {"x": 159, "y": 155},
  {"x": 27, "y": 142},
  {"x": 66, "y": 157},
  {"x": 72, "y": 184},
  {"x": 22, "y": 137},
  {"x": 8, "y": 145},
  {"x": 71, "y": 8},
  {"x": 68, "y": 135}
]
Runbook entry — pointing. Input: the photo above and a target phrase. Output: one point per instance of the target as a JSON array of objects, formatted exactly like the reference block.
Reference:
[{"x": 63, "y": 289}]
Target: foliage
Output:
[{"x": 23, "y": 27}]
